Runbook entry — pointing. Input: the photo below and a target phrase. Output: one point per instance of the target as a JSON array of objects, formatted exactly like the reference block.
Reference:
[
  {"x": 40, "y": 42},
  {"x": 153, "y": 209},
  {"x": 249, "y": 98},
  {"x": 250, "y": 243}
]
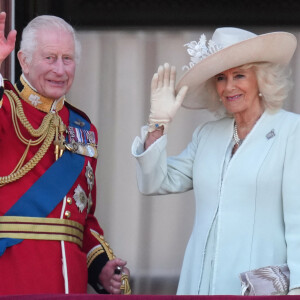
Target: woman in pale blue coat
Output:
[{"x": 244, "y": 168}]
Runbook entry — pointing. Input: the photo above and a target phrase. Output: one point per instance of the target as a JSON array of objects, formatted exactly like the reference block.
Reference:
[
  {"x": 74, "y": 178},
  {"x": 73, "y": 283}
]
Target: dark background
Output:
[
  {"x": 157, "y": 13},
  {"x": 143, "y": 14}
]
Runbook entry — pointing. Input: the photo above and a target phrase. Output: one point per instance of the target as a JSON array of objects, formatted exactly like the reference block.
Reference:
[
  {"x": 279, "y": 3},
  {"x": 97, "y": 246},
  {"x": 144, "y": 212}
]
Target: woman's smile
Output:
[{"x": 233, "y": 98}]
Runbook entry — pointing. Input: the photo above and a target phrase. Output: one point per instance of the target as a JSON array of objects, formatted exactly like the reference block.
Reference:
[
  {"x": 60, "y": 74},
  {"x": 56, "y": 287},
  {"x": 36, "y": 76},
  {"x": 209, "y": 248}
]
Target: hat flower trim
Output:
[{"x": 199, "y": 50}]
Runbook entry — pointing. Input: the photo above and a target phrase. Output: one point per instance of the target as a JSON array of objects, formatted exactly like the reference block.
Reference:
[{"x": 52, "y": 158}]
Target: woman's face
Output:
[{"x": 238, "y": 90}]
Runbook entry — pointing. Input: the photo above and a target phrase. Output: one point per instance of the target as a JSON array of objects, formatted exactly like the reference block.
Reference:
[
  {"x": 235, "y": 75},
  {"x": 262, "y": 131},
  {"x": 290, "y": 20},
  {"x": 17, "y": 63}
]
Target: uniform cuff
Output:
[{"x": 94, "y": 270}]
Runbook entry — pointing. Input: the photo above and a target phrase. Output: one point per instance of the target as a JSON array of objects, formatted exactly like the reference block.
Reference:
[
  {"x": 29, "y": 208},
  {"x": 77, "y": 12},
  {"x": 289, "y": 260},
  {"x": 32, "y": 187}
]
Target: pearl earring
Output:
[{"x": 260, "y": 94}]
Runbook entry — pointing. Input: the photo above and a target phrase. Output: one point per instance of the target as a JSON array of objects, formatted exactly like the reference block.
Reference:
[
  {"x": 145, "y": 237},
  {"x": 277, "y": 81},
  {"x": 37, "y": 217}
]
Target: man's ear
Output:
[{"x": 23, "y": 62}]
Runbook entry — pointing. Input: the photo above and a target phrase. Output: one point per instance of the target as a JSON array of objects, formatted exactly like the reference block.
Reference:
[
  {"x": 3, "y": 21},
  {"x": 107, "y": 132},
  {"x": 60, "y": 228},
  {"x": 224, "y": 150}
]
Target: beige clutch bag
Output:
[{"x": 271, "y": 280}]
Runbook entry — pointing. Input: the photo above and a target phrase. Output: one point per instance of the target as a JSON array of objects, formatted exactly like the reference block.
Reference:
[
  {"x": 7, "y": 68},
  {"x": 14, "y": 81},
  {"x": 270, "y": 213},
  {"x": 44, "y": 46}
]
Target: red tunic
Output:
[{"x": 35, "y": 266}]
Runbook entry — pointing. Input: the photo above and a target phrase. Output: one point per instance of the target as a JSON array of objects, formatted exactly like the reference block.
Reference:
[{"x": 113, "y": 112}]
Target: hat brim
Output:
[{"x": 275, "y": 47}]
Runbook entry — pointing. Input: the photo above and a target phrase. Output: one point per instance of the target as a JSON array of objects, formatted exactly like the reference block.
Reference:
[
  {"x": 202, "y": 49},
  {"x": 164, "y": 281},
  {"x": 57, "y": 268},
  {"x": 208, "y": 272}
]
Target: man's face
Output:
[{"x": 52, "y": 68}]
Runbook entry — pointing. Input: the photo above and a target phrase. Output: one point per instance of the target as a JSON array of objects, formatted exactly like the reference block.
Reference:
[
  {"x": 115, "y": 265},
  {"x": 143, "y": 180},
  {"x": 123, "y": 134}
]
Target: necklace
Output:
[{"x": 237, "y": 140}]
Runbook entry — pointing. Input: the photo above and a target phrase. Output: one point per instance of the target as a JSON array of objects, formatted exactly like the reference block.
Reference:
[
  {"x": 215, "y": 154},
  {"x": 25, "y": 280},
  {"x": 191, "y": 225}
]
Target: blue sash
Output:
[{"x": 45, "y": 194}]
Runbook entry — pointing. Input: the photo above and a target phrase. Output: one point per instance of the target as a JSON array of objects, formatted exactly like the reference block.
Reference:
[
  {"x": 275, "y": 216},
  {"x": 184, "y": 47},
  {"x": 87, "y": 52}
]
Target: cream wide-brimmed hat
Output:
[{"x": 229, "y": 48}]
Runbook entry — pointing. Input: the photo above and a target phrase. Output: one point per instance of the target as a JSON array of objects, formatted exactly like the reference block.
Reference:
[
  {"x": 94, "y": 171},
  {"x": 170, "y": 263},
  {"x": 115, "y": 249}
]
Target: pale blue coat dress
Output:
[{"x": 247, "y": 212}]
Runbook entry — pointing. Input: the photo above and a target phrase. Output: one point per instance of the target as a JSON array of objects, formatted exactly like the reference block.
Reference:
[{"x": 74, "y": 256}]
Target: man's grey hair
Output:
[{"x": 29, "y": 36}]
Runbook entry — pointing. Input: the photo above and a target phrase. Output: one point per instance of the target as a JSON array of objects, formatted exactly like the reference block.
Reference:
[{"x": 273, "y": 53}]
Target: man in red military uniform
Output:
[{"x": 50, "y": 241}]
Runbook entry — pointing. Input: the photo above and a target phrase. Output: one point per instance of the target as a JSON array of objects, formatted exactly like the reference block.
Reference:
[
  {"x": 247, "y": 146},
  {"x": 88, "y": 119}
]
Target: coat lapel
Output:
[{"x": 256, "y": 145}]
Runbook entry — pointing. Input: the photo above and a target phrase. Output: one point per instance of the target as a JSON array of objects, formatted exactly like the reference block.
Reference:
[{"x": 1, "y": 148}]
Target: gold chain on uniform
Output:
[{"x": 52, "y": 127}]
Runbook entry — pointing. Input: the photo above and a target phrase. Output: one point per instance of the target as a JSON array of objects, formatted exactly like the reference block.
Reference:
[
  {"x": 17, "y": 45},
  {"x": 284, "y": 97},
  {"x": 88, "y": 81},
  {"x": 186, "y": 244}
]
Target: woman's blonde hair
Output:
[{"x": 273, "y": 81}]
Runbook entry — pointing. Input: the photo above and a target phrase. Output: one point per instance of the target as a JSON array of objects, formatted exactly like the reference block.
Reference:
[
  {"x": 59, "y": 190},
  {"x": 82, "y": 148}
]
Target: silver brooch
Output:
[
  {"x": 79, "y": 123},
  {"x": 270, "y": 134},
  {"x": 89, "y": 174},
  {"x": 80, "y": 198}
]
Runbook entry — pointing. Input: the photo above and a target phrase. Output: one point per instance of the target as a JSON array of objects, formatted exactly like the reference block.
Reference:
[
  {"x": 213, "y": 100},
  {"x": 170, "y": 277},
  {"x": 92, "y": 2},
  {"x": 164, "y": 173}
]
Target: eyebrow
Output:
[
  {"x": 235, "y": 72},
  {"x": 239, "y": 71}
]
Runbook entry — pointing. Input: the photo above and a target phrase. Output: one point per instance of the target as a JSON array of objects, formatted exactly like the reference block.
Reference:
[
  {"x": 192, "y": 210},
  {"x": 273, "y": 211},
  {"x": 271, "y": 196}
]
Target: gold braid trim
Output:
[
  {"x": 93, "y": 254},
  {"x": 104, "y": 244},
  {"x": 125, "y": 287},
  {"x": 45, "y": 133},
  {"x": 33, "y": 228},
  {"x": 44, "y": 104}
]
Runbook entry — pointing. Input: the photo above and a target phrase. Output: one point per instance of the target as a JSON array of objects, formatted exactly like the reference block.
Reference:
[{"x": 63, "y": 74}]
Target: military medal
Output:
[{"x": 82, "y": 142}]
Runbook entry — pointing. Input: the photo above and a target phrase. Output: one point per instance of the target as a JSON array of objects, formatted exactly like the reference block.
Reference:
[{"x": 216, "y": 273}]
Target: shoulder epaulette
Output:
[
  {"x": 80, "y": 112},
  {"x": 8, "y": 85}
]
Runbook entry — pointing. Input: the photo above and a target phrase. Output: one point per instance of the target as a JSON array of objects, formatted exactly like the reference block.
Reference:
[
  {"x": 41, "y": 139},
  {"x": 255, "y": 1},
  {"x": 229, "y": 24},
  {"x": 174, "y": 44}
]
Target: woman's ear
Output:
[{"x": 23, "y": 62}]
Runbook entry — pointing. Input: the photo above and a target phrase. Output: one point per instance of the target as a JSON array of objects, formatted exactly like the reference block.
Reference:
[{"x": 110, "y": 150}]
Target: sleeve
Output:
[
  {"x": 99, "y": 254},
  {"x": 159, "y": 174},
  {"x": 5, "y": 107},
  {"x": 291, "y": 205},
  {"x": 94, "y": 245}
]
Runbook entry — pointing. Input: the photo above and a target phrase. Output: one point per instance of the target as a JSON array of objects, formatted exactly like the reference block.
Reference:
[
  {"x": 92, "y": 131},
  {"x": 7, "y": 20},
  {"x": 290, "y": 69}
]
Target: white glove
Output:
[
  {"x": 164, "y": 102},
  {"x": 295, "y": 291}
]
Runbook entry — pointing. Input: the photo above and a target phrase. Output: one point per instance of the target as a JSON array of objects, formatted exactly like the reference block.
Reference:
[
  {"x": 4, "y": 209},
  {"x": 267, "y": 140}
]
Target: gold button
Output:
[
  {"x": 67, "y": 214},
  {"x": 69, "y": 200}
]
